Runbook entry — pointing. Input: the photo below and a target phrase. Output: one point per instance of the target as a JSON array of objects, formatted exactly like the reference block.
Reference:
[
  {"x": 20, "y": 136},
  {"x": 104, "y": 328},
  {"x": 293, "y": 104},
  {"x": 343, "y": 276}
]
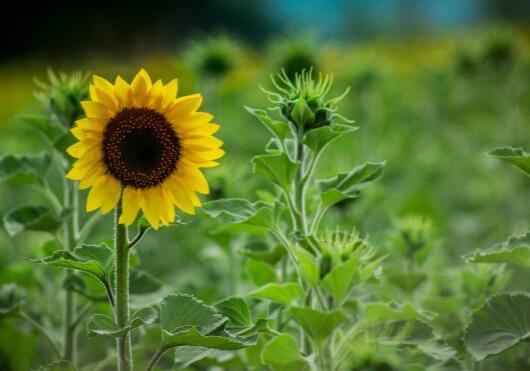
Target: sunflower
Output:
[{"x": 143, "y": 145}]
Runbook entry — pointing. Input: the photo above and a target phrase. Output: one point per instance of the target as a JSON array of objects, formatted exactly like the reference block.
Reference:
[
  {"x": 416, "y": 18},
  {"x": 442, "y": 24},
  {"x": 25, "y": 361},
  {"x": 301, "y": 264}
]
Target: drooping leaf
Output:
[
  {"x": 100, "y": 253},
  {"x": 319, "y": 138},
  {"x": 515, "y": 250},
  {"x": 279, "y": 129},
  {"x": 515, "y": 156},
  {"x": 11, "y": 300},
  {"x": 348, "y": 185},
  {"x": 240, "y": 215},
  {"x": 24, "y": 169},
  {"x": 277, "y": 167},
  {"x": 30, "y": 218},
  {"x": 236, "y": 309},
  {"x": 260, "y": 273},
  {"x": 377, "y": 312},
  {"x": 281, "y": 353},
  {"x": 501, "y": 323},
  {"x": 317, "y": 324},
  {"x": 282, "y": 293}
]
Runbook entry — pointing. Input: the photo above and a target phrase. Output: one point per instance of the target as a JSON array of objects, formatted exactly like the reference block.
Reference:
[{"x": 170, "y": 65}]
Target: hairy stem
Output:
[{"x": 122, "y": 292}]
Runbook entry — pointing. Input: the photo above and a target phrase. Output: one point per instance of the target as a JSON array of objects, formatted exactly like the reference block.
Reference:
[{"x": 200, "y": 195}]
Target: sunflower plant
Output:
[{"x": 308, "y": 282}]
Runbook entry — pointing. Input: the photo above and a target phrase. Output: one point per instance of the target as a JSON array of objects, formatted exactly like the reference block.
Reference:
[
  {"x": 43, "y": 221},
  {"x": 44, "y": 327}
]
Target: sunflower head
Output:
[{"x": 142, "y": 145}]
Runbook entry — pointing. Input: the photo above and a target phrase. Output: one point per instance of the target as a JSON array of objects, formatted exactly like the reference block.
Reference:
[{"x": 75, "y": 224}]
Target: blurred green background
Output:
[{"x": 434, "y": 86}]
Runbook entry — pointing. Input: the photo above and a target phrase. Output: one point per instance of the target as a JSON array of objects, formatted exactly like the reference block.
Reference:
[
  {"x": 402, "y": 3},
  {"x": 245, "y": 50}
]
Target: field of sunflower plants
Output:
[{"x": 307, "y": 206}]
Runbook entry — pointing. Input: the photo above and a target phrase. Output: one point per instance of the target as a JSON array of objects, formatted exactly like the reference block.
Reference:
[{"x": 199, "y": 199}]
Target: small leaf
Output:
[
  {"x": 318, "y": 139},
  {"x": 24, "y": 169},
  {"x": 11, "y": 299},
  {"x": 236, "y": 309},
  {"x": 240, "y": 215},
  {"x": 282, "y": 293},
  {"x": 307, "y": 265},
  {"x": 263, "y": 252},
  {"x": 377, "y": 312},
  {"x": 276, "y": 167},
  {"x": 301, "y": 113},
  {"x": 260, "y": 273},
  {"x": 282, "y": 354},
  {"x": 30, "y": 218},
  {"x": 143, "y": 316},
  {"x": 348, "y": 185},
  {"x": 101, "y": 324},
  {"x": 317, "y": 324},
  {"x": 515, "y": 250},
  {"x": 280, "y": 129},
  {"x": 515, "y": 156},
  {"x": 501, "y": 323}
]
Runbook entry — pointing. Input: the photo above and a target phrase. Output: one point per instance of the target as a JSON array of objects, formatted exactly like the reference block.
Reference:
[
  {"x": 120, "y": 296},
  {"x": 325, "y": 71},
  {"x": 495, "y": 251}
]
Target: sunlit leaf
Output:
[
  {"x": 276, "y": 167},
  {"x": 501, "y": 323},
  {"x": 240, "y": 215},
  {"x": 341, "y": 279},
  {"x": 307, "y": 265},
  {"x": 281, "y": 353},
  {"x": 280, "y": 129},
  {"x": 319, "y": 138}
]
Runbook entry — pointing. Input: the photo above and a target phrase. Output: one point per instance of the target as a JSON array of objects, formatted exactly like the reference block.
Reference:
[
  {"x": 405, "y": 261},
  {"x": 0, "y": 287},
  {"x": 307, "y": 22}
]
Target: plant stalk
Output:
[{"x": 122, "y": 291}]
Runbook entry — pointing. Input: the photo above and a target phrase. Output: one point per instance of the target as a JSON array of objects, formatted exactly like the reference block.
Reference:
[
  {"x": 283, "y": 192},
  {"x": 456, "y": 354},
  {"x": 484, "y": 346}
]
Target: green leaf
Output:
[
  {"x": 186, "y": 321},
  {"x": 501, "y": 323},
  {"x": 103, "y": 325},
  {"x": 52, "y": 130},
  {"x": 240, "y": 215},
  {"x": 30, "y": 218},
  {"x": 276, "y": 167},
  {"x": 348, "y": 185},
  {"x": 263, "y": 252},
  {"x": 317, "y": 324},
  {"x": 318, "y": 139},
  {"x": 11, "y": 300},
  {"x": 307, "y": 265},
  {"x": 260, "y": 273},
  {"x": 24, "y": 169},
  {"x": 279, "y": 129},
  {"x": 282, "y": 354},
  {"x": 377, "y": 312},
  {"x": 515, "y": 250},
  {"x": 341, "y": 279},
  {"x": 236, "y": 309},
  {"x": 515, "y": 156},
  {"x": 92, "y": 259},
  {"x": 282, "y": 293}
]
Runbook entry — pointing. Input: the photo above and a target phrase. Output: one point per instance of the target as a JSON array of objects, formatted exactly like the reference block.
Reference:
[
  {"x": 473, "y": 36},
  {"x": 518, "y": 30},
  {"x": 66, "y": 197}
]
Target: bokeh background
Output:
[{"x": 434, "y": 86}]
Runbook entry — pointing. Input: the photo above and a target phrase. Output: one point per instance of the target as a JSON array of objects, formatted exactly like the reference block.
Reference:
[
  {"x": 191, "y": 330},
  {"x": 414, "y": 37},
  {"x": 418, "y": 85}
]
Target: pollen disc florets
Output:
[{"x": 140, "y": 148}]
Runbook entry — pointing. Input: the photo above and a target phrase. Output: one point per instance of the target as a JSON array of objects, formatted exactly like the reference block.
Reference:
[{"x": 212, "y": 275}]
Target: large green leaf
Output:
[
  {"x": 515, "y": 156},
  {"x": 259, "y": 272},
  {"x": 317, "y": 324},
  {"x": 319, "y": 138},
  {"x": 92, "y": 259},
  {"x": 24, "y": 169},
  {"x": 276, "y": 167},
  {"x": 282, "y": 293},
  {"x": 281, "y": 353},
  {"x": 377, "y": 312},
  {"x": 348, "y": 185},
  {"x": 515, "y": 250},
  {"x": 30, "y": 218},
  {"x": 236, "y": 309},
  {"x": 501, "y": 323},
  {"x": 307, "y": 265},
  {"x": 280, "y": 129},
  {"x": 51, "y": 129},
  {"x": 240, "y": 215}
]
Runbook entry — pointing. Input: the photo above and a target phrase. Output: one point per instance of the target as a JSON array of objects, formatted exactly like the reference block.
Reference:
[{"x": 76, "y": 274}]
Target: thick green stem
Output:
[{"x": 122, "y": 292}]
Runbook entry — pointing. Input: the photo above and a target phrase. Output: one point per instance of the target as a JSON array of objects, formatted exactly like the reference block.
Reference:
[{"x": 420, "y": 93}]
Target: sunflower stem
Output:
[{"x": 121, "y": 246}]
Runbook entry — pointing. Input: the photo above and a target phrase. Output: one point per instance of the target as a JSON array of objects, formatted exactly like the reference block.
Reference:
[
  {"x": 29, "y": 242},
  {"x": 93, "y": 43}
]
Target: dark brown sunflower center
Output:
[{"x": 140, "y": 147}]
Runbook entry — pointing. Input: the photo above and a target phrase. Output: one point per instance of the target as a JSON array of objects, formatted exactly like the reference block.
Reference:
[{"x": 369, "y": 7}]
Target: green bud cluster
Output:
[
  {"x": 62, "y": 96},
  {"x": 303, "y": 102}
]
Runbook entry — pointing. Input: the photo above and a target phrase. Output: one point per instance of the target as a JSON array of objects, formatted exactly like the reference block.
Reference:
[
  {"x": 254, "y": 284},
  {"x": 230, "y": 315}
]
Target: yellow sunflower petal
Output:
[
  {"x": 195, "y": 120},
  {"x": 169, "y": 94},
  {"x": 131, "y": 204},
  {"x": 91, "y": 124},
  {"x": 155, "y": 95},
  {"x": 108, "y": 192},
  {"x": 93, "y": 175},
  {"x": 140, "y": 86},
  {"x": 78, "y": 149},
  {"x": 151, "y": 206},
  {"x": 201, "y": 131},
  {"x": 121, "y": 89},
  {"x": 183, "y": 106},
  {"x": 95, "y": 110},
  {"x": 194, "y": 178},
  {"x": 103, "y": 97},
  {"x": 104, "y": 85},
  {"x": 202, "y": 143},
  {"x": 178, "y": 194}
]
